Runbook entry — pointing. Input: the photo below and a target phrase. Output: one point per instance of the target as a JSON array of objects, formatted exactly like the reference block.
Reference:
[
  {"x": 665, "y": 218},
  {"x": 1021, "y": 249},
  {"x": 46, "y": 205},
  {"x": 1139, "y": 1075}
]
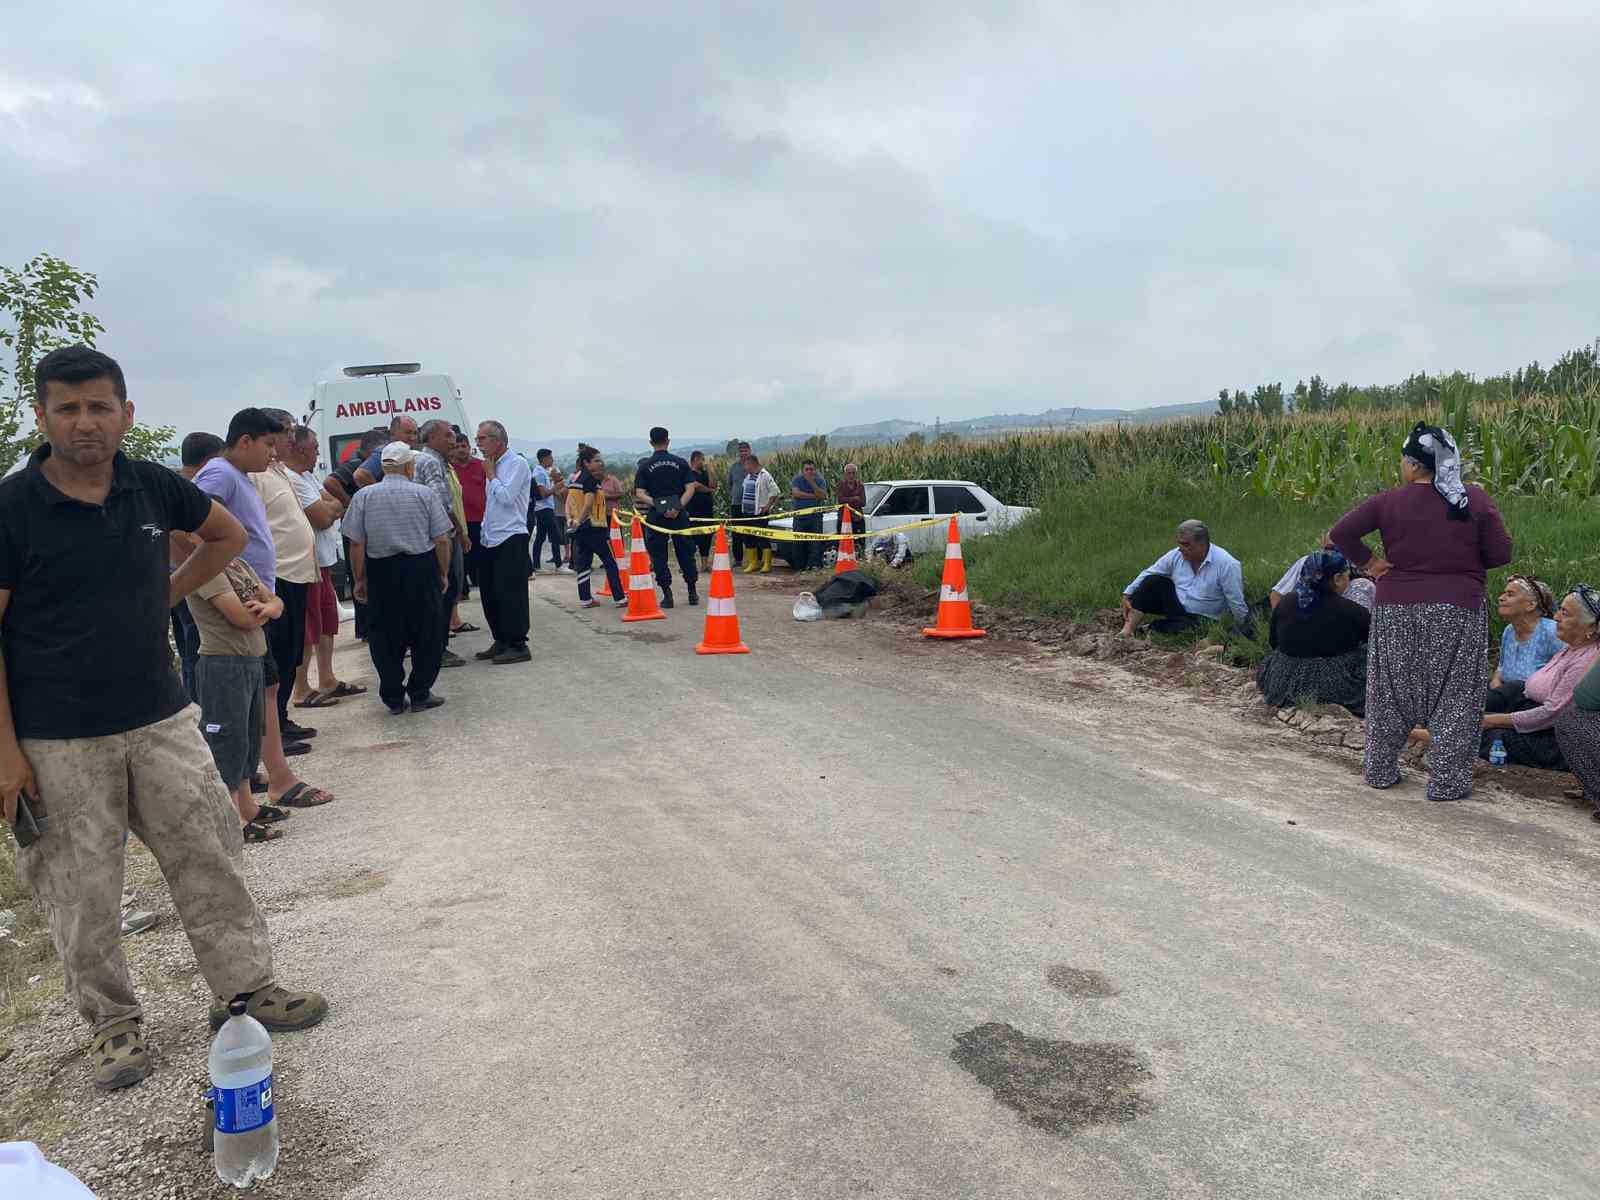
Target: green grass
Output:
[{"x": 1088, "y": 541}]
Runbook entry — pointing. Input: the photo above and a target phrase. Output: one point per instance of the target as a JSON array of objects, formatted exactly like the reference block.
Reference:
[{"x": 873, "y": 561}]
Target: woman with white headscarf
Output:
[{"x": 1427, "y": 654}]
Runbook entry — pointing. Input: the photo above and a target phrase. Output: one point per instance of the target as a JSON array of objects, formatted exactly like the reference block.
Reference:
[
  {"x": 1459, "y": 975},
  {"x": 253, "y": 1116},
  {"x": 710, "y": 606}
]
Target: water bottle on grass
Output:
[
  {"x": 246, "y": 1139},
  {"x": 1497, "y": 751}
]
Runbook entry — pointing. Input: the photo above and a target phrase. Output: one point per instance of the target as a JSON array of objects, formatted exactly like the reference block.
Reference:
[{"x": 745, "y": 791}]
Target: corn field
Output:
[{"x": 1545, "y": 445}]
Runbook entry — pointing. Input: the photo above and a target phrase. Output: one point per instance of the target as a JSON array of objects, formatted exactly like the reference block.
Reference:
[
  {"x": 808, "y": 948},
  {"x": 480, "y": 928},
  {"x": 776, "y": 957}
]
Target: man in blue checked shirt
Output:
[{"x": 1194, "y": 582}]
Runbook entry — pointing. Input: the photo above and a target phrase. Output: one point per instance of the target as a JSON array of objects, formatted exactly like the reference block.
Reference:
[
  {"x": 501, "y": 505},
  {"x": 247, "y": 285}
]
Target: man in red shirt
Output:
[{"x": 469, "y": 472}]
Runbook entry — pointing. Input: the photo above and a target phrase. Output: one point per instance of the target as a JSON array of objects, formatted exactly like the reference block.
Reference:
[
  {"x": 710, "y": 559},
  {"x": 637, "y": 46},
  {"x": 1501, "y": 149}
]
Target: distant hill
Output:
[
  {"x": 627, "y": 450},
  {"x": 1054, "y": 418},
  {"x": 617, "y": 451}
]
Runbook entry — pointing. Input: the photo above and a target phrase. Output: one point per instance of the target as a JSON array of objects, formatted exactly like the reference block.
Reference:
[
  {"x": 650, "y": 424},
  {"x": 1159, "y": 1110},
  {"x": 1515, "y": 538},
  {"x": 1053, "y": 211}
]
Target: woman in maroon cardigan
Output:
[{"x": 1427, "y": 655}]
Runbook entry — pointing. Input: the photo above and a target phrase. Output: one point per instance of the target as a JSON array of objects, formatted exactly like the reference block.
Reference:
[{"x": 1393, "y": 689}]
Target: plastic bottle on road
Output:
[
  {"x": 246, "y": 1133},
  {"x": 1497, "y": 751}
]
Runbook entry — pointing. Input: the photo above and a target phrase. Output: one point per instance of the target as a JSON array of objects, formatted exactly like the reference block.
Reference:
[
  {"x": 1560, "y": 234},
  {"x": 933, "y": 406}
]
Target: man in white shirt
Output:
[
  {"x": 322, "y": 511},
  {"x": 294, "y": 542},
  {"x": 504, "y": 568},
  {"x": 1192, "y": 582}
]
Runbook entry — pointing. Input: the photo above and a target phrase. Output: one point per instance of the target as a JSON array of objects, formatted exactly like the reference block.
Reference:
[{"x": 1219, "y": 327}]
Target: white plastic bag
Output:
[{"x": 806, "y": 607}]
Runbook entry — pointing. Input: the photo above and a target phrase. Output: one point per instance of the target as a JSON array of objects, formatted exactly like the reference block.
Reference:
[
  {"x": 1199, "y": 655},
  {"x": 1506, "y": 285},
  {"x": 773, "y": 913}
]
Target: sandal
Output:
[
  {"x": 256, "y": 834},
  {"x": 346, "y": 689},
  {"x": 465, "y": 627},
  {"x": 120, "y": 1057},
  {"x": 278, "y": 1009},
  {"x": 268, "y": 814},
  {"x": 317, "y": 700},
  {"x": 303, "y": 795}
]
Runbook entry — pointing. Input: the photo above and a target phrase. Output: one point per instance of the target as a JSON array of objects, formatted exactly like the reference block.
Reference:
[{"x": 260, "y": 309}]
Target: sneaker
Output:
[
  {"x": 591, "y": 603},
  {"x": 563, "y": 569},
  {"x": 138, "y": 921},
  {"x": 620, "y": 602},
  {"x": 451, "y": 659},
  {"x": 515, "y": 654},
  {"x": 296, "y": 733},
  {"x": 494, "y": 649},
  {"x": 278, "y": 1009},
  {"x": 666, "y": 598},
  {"x": 293, "y": 749},
  {"x": 424, "y": 705},
  {"x": 120, "y": 1058}
]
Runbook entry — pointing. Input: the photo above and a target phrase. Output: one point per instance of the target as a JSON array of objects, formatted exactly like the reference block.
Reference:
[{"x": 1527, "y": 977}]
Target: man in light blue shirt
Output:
[
  {"x": 503, "y": 571},
  {"x": 1195, "y": 581}
]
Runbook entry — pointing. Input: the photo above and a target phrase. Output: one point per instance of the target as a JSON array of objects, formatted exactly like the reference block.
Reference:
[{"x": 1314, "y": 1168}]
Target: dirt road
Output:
[{"x": 859, "y": 915}]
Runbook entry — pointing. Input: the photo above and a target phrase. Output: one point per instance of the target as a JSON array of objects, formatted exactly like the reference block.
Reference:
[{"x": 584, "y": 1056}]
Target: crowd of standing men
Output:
[{"x": 234, "y": 554}]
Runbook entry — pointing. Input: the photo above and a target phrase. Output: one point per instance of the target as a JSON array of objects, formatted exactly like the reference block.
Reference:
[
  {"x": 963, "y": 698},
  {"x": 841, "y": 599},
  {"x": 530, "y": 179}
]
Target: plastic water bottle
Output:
[
  {"x": 1497, "y": 751},
  {"x": 246, "y": 1130}
]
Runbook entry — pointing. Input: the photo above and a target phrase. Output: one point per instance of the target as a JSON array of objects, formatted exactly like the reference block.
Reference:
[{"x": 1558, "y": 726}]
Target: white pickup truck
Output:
[{"x": 898, "y": 501}]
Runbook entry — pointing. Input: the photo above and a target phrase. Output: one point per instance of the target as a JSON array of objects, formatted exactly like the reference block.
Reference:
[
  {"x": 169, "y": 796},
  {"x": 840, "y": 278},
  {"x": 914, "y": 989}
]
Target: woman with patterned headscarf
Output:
[
  {"x": 1577, "y": 726},
  {"x": 1523, "y": 715},
  {"x": 1529, "y": 640},
  {"x": 1319, "y": 640},
  {"x": 1427, "y": 656}
]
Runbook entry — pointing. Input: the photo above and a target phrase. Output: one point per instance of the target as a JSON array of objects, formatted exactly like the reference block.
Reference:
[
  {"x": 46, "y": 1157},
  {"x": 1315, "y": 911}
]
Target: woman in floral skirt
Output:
[{"x": 1427, "y": 653}]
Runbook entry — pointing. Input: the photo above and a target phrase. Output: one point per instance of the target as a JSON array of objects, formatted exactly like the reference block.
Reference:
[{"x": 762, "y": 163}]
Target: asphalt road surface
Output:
[{"x": 859, "y": 915}]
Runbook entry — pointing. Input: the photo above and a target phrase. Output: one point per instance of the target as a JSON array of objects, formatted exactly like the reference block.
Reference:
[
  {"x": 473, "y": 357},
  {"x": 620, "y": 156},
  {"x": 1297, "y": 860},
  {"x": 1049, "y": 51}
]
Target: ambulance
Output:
[{"x": 343, "y": 410}]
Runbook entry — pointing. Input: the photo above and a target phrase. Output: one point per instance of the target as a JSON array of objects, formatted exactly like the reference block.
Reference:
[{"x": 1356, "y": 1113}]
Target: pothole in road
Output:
[
  {"x": 1058, "y": 1087},
  {"x": 1074, "y": 981}
]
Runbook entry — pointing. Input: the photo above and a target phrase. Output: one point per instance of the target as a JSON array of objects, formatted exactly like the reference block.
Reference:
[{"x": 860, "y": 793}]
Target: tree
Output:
[
  {"x": 913, "y": 440},
  {"x": 1267, "y": 399},
  {"x": 40, "y": 311},
  {"x": 1224, "y": 402}
]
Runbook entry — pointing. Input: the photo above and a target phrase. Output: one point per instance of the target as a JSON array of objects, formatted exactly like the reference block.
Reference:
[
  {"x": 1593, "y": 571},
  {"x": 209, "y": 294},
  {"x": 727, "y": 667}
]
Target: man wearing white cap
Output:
[{"x": 400, "y": 556}]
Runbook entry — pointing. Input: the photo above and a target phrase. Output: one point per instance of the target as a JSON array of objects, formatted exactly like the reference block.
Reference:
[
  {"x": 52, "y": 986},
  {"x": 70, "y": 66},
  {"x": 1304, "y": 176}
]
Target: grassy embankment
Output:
[
  {"x": 1089, "y": 541},
  {"x": 1110, "y": 498}
]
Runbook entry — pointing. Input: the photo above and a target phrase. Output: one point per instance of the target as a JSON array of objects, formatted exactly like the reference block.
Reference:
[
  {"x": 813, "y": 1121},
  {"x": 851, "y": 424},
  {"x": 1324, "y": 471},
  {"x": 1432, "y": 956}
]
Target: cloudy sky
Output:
[{"x": 746, "y": 218}]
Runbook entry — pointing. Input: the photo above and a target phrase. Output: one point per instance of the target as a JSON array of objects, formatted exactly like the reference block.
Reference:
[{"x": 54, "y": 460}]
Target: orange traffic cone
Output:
[
  {"x": 722, "y": 622},
  {"x": 616, "y": 553},
  {"x": 846, "y": 561},
  {"x": 642, "y": 602},
  {"x": 955, "y": 610}
]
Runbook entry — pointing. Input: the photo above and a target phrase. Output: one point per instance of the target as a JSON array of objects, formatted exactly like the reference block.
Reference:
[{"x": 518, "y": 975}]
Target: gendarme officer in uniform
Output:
[{"x": 661, "y": 484}]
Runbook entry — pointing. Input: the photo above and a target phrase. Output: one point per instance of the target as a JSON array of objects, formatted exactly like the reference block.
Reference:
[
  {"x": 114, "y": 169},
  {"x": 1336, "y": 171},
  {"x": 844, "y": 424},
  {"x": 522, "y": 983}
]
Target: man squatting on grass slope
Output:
[
  {"x": 95, "y": 729},
  {"x": 1195, "y": 581}
]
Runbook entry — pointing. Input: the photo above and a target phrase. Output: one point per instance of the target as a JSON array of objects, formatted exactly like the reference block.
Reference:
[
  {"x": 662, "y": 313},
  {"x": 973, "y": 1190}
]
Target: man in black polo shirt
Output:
[
  {"x": 95, "y": 730},
  {"x": 661, "y": 485}
]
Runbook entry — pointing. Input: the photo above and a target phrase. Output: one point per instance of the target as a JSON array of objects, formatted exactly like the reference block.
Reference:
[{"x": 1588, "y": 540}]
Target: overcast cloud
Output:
[{"x": 599, "y": 216}]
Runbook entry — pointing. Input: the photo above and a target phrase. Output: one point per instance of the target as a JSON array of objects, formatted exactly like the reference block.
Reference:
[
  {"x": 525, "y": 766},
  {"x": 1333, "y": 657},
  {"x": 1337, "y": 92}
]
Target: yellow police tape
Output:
[
  {"x": 778, "y": 535},
  {"x": 792, "y": 512}
]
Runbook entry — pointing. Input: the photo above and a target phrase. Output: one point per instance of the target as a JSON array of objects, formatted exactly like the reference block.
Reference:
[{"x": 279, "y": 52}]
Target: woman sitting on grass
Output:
[
  {"x": 1523, "y": 715},
  {"x": 1529, "y": 639},
  {"x": 1578, "y": 734},
  {"x": 1319, "y": 640}
]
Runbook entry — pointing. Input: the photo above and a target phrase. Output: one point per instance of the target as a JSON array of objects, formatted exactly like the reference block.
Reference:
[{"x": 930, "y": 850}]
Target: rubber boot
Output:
[
  {"x": 750, "y": 563},
  {"x": 766, "y": 561}
]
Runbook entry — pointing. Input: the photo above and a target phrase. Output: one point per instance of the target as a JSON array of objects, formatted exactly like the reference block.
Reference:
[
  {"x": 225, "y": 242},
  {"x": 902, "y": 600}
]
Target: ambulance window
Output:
[{"x": 345, "y": 448}]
